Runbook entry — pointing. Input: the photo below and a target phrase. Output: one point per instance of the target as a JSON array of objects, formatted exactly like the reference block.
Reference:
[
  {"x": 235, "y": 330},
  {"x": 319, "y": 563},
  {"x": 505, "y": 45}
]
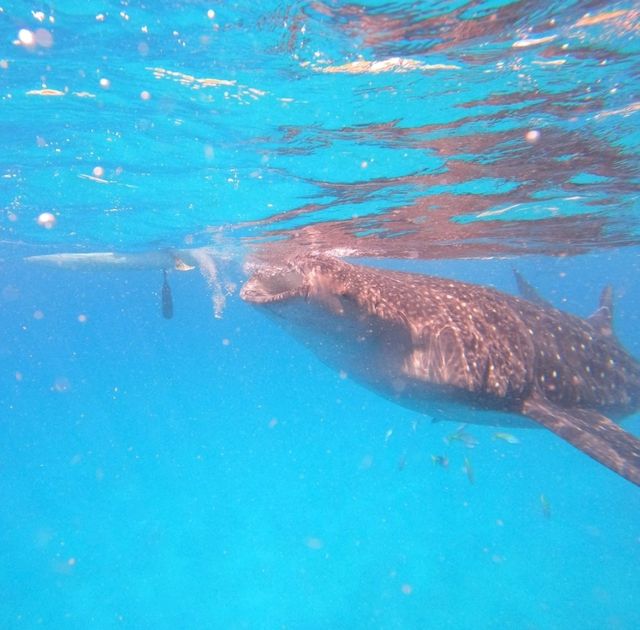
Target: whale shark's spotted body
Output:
[{"x": 430, "y": 342}]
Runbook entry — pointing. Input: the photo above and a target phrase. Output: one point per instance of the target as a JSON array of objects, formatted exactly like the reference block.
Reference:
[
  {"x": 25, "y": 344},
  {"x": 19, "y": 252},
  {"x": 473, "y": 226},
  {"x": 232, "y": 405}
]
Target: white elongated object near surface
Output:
[{"x": 160, "y": 259}]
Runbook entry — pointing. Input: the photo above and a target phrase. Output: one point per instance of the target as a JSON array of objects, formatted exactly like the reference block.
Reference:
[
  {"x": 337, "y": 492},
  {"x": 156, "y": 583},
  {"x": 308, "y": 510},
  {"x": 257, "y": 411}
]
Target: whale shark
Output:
[{"x": 437, "y": 346}]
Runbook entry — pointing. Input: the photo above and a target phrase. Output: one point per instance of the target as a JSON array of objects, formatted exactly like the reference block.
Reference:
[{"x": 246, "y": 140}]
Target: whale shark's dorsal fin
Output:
[
  {"x": 528, "y": 292},
  {"x": 602, "y": 319}
]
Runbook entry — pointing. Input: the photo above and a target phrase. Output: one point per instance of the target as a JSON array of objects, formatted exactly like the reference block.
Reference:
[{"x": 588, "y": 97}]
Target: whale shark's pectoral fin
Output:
[{"x": 594, "y": 434}]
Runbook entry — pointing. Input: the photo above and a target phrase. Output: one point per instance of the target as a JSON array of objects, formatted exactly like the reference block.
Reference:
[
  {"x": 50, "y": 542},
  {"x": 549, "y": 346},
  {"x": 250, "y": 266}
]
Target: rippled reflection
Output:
[
  {"x": 401, "y": 129},
  {"x": 522, "y": 160}
]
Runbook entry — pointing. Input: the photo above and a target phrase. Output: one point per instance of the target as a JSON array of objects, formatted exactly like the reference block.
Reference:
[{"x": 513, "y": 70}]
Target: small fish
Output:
[
  {"x": 387, "y": 436},
  {"x": 546, "y": 506},
  {"x": 507, "y": 437},
  {"x": 468, "y": 470},
  {"x": 440, "y": 460},
  {"x": 460, "y": 435}
]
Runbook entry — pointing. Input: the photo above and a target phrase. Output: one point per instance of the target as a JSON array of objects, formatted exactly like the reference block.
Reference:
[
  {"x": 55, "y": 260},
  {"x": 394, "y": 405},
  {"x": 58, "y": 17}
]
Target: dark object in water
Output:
[
  {"x": 445, "y": 347},
  {"x": 167, "y": 299}
]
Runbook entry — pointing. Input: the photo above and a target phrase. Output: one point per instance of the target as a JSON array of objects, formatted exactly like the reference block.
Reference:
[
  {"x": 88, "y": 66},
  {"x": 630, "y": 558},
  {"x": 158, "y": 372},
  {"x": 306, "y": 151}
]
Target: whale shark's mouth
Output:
[{"x": 273, "y": 285}]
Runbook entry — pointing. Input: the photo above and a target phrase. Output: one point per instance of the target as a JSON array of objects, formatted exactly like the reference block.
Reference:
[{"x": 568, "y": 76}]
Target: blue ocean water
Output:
[{"x": 210, "y": 472}]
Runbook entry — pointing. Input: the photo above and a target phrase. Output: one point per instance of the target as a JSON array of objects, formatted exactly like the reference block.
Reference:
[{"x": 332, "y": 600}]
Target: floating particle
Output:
[
  {"x": 82, "y": 318},
  {"x": 43, "y": 38},
  {"x": 532, "y": 136},
  {"x": 98, "y": 171},
  {"x": 38, "y": 314},
  {"x": 26, "y": 37},
  {"x": 61, "y": 384},
  {"x": 105, "y": 83},
  {"x": 211, "y": 14},
  {"x": 144, "y": 95},
  {"x": 46, "y": 220},
  {"x": 314, "y": 543},
  {"x": 367, "y": 462},
  {"x": 10, "y": 293},
  {"x": 406, "y": 589}
]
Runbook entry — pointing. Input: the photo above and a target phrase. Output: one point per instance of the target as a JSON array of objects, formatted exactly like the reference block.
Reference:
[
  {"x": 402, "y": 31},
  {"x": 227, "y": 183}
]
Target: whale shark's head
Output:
[{"x": 274, "y": 284}]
